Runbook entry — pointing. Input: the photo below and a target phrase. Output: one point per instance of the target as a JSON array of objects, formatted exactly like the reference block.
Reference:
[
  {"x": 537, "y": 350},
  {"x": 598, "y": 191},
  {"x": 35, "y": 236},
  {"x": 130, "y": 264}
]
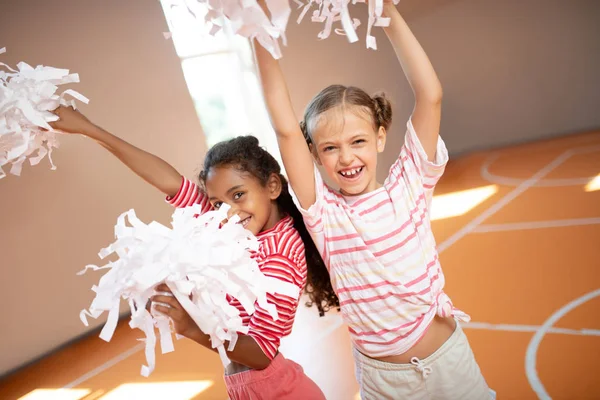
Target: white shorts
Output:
[{"x": 451, "y": 373}]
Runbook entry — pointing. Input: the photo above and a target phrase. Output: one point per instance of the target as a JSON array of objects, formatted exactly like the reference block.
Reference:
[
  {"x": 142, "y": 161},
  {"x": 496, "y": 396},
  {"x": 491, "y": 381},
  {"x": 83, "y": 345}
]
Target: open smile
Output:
[{"x": 351, "y": 174}]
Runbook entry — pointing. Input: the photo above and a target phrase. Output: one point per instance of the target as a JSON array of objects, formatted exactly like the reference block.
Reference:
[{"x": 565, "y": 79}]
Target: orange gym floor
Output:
[{"x": 518, "y": 230}]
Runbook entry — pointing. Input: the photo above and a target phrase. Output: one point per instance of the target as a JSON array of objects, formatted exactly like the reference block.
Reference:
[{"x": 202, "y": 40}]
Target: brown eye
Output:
[{"x": 238, "y": 195}]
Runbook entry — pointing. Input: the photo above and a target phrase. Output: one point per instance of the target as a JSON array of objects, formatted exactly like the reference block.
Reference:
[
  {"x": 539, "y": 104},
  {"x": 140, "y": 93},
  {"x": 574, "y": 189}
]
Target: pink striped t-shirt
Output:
[
  {"x": 280, "y": 255},
  {"x": 381, "y": 253}
]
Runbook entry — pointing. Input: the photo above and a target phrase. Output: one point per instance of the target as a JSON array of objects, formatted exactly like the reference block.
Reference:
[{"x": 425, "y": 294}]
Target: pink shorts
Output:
[{"x": 282, "y": 379}]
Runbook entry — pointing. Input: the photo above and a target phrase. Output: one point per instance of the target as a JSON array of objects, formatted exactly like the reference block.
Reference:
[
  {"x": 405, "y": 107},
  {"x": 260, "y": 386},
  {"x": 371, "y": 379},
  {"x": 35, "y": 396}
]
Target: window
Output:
[{"x": 221, "y": 76}]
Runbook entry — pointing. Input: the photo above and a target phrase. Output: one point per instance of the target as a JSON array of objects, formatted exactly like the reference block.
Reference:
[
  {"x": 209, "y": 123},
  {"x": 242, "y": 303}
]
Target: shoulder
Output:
[{"x": 283, "y": 242}]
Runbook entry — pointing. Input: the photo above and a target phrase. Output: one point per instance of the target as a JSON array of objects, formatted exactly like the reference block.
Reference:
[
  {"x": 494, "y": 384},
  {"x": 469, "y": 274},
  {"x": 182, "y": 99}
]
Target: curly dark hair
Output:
[{"x": 245, "y": 154}]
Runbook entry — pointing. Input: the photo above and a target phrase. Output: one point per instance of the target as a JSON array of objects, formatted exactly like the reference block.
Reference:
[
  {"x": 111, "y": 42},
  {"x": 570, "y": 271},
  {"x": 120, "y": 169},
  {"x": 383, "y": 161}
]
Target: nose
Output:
[{"x": 346, "y": 156}]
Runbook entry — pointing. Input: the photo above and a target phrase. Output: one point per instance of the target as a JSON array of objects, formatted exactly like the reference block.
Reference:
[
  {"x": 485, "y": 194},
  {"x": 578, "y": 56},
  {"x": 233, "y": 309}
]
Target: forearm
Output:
[
  {"x": 149, "y": 167},
  {"x": 276, "y": 93},
  {"x": 246, "y": 352},
  {"x": 415, "y": 63}
]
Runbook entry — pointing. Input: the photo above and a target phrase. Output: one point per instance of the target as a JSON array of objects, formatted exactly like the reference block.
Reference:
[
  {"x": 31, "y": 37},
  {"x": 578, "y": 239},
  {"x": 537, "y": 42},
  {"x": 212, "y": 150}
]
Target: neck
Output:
[
  {"x": 274, "y": 217},
  {"x": 372, "y": 186}
]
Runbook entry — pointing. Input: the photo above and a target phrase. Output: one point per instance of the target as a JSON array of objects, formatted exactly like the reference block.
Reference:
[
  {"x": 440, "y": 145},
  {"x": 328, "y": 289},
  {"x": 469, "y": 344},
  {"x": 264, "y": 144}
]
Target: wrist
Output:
[
  {"x": 389, "y": 8},
  {"x": 92, "y": 131},
  {"x": 196, "y": 335}
]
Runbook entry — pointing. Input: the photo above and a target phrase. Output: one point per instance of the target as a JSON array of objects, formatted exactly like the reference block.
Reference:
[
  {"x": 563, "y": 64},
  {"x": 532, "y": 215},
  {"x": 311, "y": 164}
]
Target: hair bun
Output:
[{"x": 383, "y": 110}]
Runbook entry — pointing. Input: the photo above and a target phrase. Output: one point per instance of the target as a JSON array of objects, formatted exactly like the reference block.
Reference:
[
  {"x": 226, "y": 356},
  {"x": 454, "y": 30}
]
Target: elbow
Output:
[
  {"x": 261, "y": 364},
  {"x": 432, "y": 97},
  {"x": 431, "y": 94},
  {"x": 437, "y": 93},
  {"x": 172, "y": 186},
  {"x": 436, "y": 96},
  {"x": 284, "y": 134},
  {"x": 256, "y": 362},
  {"x": 288, "y": 132}
]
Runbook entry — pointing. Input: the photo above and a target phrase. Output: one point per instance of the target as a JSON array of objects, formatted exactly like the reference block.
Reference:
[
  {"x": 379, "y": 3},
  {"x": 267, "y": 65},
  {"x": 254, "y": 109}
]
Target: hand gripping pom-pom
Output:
[
  {"x": 198, "y": 257},
  {"x": 247, "y": 18},
  {"x": 330, "y": 11},
  {"x": 27, "y": 96}
]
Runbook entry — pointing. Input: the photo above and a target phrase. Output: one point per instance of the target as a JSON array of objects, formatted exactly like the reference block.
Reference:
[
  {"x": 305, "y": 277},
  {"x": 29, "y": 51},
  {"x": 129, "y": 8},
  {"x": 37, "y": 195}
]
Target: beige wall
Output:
[
  {"x": 512, "y": 70},
  {"x": 55, "y": 222}
]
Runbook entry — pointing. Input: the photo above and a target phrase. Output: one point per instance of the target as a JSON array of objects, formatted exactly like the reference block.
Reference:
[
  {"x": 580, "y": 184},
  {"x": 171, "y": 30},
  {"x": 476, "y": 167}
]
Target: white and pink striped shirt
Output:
[
  {"x": 381, "y": 253},
  {"x": 280, "y": 255}
]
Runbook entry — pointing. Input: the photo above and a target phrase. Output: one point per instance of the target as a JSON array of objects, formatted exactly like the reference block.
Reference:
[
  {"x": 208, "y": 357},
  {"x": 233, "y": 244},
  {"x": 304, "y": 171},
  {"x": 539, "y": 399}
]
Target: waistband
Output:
[
  {"x": 362, "y": 359},
  {"x": 442, "y": 306},
  {"x": 252, "y": 376}
]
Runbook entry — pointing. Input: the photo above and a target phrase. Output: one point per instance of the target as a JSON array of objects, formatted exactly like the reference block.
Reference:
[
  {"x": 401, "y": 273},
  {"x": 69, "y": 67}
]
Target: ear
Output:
[
  {"x": 314, "y": 153},
  {"x": 381, "y": 136},
  {"x": 274, "y": 186}
]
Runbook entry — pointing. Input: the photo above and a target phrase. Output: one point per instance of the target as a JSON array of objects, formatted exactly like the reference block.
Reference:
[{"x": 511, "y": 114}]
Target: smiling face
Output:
[
  {"x": 346, "y": 143},
  {"x": 254, "y": 202}
]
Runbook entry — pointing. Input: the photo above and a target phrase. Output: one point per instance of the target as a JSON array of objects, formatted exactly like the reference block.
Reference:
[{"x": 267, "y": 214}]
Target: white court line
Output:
[
  {"x": 517, "y": 226},
  {"x": 513, "y": 194},
  {"x": 127, "y": 353},
  {"x": 528, "y": 328},
  {"x": 508, "y": 181},
  {"x": 105, "y": 366},
  {"x": 447, "y": 243},
  {"x": 534, "y": 344}
]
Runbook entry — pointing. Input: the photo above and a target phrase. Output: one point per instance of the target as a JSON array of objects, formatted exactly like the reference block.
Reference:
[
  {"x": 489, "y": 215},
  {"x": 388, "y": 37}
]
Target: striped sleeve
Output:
[
  {"x": 413, "y": 162},
  {"x": 189, "y": 194},
  {"x": 266, "y": 331},
  {"x": 313, "y": 216}
]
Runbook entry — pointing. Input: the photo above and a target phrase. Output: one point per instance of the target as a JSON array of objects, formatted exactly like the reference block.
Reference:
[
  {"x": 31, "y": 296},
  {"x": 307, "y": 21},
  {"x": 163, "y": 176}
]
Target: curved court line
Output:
[
  {"x": 522, "y": 185},
  {"x": 510, "y": 196},
  {"x": 534, "y": 344},
  {"x": 508, "y": 181},
  {"x": 542, "y": 145}
]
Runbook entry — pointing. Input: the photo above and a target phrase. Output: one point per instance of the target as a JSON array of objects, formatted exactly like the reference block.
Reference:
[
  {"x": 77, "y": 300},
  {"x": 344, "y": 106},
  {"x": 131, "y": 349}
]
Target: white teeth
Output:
[{"x": 351, "y": 172}]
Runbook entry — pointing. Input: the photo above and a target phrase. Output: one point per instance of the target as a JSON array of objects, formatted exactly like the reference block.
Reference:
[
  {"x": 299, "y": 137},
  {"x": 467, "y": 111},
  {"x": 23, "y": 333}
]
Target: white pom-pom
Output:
[
  {"x": 27, "y": 95},
  {"x": 330, "y": 11},
  {"x": 245, "y": 17},
  {"x": 199, "y": 258}
]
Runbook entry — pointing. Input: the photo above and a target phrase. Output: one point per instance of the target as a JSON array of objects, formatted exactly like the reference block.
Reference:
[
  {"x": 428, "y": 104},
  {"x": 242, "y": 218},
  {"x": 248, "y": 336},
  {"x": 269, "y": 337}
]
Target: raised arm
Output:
[
  {"x": 149, "y": 167},
  {"x": 421, "y": 77},
  {"x": 296, "y": 156}
]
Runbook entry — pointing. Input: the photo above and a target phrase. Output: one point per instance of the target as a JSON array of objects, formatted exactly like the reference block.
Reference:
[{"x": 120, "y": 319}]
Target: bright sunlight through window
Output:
[
  {"x": 56, "y": 394},
  {"x": 184, "y": 390},
  {"x": 459, "y": 203},
  {"x": 593, "y": 185},
  {"x": 221, "y": 77}
]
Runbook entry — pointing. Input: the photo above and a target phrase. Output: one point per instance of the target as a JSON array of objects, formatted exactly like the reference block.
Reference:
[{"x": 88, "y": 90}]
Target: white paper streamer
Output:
[
  {"x": 27, "y": 95},
  {"x": 330, "y": 11},
  {"x": 200, "y": 257},
  {"x": 245, "y": 17}
]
